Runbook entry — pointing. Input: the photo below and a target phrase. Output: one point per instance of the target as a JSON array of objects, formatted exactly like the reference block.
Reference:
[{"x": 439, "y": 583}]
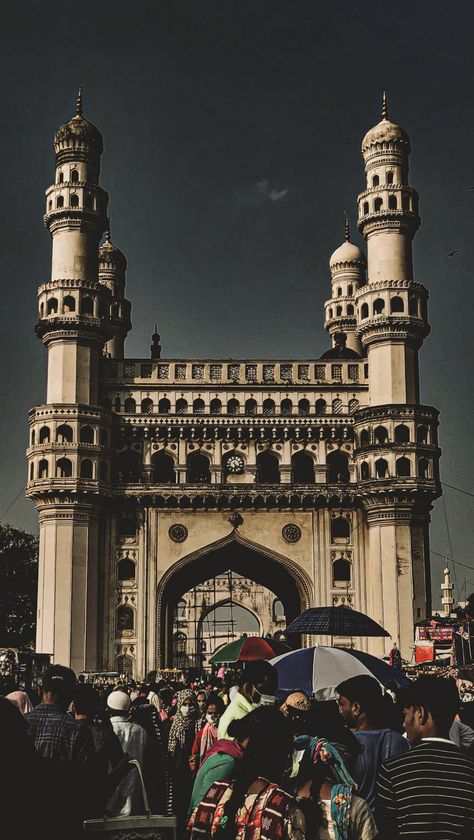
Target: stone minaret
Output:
[
  {"x": 347, "y": 266},
  {"x": 447, "y": 598},
  {"x": 69, "y": 453},
  {"x": 397, "y": 455},
  {"x": 112, "y": 267}
]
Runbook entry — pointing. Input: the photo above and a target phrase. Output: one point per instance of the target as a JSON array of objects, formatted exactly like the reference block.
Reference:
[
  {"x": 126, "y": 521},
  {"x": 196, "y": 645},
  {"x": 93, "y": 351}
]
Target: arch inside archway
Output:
[{"x": 275, "y": 572}]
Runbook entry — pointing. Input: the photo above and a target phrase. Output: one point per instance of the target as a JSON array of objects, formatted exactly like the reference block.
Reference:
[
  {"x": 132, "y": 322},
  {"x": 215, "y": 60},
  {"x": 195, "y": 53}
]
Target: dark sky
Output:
[{"x": 232, "y": 148}]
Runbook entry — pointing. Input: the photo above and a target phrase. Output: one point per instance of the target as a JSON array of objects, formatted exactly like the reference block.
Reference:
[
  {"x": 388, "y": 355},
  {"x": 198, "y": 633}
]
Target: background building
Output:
[{"x": 313, "y": 478}]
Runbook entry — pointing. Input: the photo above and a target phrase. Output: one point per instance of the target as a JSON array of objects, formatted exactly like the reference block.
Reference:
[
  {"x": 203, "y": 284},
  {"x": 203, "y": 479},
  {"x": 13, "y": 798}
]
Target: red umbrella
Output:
[{"x": 247, "y": 648}]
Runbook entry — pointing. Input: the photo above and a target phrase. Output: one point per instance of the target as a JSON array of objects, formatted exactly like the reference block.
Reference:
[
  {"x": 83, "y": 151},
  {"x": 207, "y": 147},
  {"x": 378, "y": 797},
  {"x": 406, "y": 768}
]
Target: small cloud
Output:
[
  {"x": 270, "y": 191},
  {"x": 277, "y": 195}
]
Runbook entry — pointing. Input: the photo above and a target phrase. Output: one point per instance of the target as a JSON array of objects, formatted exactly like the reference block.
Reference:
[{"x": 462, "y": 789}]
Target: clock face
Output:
[{"x": 235, "y": 464}]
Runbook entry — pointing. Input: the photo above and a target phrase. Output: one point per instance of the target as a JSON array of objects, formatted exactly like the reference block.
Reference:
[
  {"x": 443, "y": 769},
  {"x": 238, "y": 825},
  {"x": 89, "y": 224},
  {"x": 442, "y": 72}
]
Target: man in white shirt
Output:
[{"x": 128, "y": 797}]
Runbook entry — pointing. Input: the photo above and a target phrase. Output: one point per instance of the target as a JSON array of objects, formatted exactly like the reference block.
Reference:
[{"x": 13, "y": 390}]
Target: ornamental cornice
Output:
[
  {"x": 74, "y": 283},
  {"x": 380, "y": 285},
  {"x": 242, "y": 496},
  {"x": 94, "y": 329},
  {"x": 68, "y": 219},
  {"x": 387, "y": 188},
  {"x": 381, "y": 220},
  {"x": 393, "y": 328},
  {"x": 63, "y": 489},
  {"x": 398, "y": 493},
  {"x": 395, "y": 411},
  {"x": 52, "y": 510},
  {"x": 70, "y": 410}
]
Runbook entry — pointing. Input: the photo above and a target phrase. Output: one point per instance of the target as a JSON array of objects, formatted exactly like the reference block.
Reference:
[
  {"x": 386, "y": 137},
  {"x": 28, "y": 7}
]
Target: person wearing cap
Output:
[{"x": 127, "y": 799}]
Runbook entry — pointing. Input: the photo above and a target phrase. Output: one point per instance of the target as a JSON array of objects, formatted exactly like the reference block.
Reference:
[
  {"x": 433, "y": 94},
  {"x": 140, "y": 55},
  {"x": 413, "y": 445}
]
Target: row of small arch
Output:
[
  {"x": 408, "y": 203},
  {"x": 86, "y": 306},
  {"x": 397, "y": 304},
  {"x": 90, "y": 203},
  {"x": 401, "y": 434},
  {"x": 233, "y": 406},
  {"x": 65, "y": 434},
  {"x": 403, "y": 468},
  {"x": 63, "y": 468}
]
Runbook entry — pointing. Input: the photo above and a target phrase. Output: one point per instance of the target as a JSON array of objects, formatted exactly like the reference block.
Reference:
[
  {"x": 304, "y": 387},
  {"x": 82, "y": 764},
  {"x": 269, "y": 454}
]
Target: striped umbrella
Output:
[
  {"x": 318, "y": 670},
  {"x": 247, "y": 648}
]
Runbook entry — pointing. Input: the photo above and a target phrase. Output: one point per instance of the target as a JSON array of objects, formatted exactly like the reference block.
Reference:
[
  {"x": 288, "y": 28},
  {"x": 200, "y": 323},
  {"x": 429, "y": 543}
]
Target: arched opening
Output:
[
  {"x": 402, "y": 434},
  {"x": 69, "y": 304},
  {"x": 60, "y": 178},
  {"x": 350, "y": 289},
  {"x": 389, "y": 178},
  {"x": 341, "y": 571},
  {"x": 52, "y": 306},
  {"x": 302, "y": 468},
  {"x": 126, "y": 569},
  {"x": 64, "y": 433},
  {"x": 43, "y": 468},
  {"x": 380, "y": 435},
  {"x": 378, "y": 203},
  {"x": 87, "y": 468},
  {"x": 412, "y": 306},
  {"x": 340, "y": 528},
  {"x": 268, "y": 468},
  {"x": 379, "y": 306},
  {"x": 199, "y": 406},
  {"x": 124, "y": 666},
  {"x": 32, "y": 437},
  {"x": 251, "y": 406},
  {"x": 365, "y": 207},
  {"x": 381, "y": 468},
  {"x": 268, "y": 406},
  {"x": 337, "y": 467},
  {"x": 130, "y": 406},
  {"x": 215, "y": 406},
  {"x": 233, "y": 406},
  {"x": 198, "y": 471},
  {"x": 147, "y": 406},
  {"x": 338, "y": 311},
  {"x": 181, "y": 406},
  {"x": 164, "y": 406},
  {"x": 44, "y": 434},
  {"x": 364, "y": 311},
  {"x": 392, "y": 202},
  {"x": 127, "y": 525},
  {"x": 320, "y": 406},
  {"x": 375, "y": 181},
  {"x": 59, "y": 202},
  {"x": 365, "y": 437},
  {"x": 423, "y": 468},
  {"x": 403, "y": 467},
  {"x": 74, "y": 176},
  {"x": 278, "y": 610},
  {"x": 32, "y": 471},
  {"x": 163, "y": 468},
  {"x": 246, "y": 560},
  {"x": 350, "y": 309},
  {"x": 117, "y": 404},
  {"x": 303, "y": 406},
  {"x": 86, "y": 434},
  {"x": 87, "y": 306},
  {"x": 396, "y": 304},
  {"x": 286, "y": 406},
  {"x": 353, "y": 405},
  {"x": 339, "y": 292},
  {"x": 330, "y": 313},
  {"x": 180, "y": 645},
  {"x": 63, "y": 468},
  {"x": 365, "y": 471},
  {"x": 125, "y": 619},
  {"x": 421, "y": 435},
  {"x": 74, "y": 200},
  {"x": 127, "y": 465},
  {"x": 337, "y": 406}
]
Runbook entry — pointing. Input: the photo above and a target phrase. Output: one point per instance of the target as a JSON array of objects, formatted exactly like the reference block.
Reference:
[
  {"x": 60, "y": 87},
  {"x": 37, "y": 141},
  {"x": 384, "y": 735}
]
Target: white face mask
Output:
[
  {"x": 185, "y": 710},
  {"x": 211, "y": 718},
  {"x": 267, "y": 700}
]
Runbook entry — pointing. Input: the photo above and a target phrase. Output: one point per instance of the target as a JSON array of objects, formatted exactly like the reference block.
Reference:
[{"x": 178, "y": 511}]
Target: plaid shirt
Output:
[{"x": 56, "y": 735}]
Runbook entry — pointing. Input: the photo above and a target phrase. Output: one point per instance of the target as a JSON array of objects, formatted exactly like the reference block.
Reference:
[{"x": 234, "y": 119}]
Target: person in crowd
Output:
[
  {"x": 462, "y": 735},
  {"x": 395, "y": 657},
  {"x": 107, "y": 750},
  {"x": 254, "y": 804},
  {"x": 127, "y": 798},
  {"x": 65, "y": 747},
  {"x": 427, "y": 792},
  {"x": 325, "y": 779},
  {"x": 26, "y": 786},
  {"x": 202, "y": 698},
  {"x": 21, "y": 700},
  {"x": 180, "y": 743},
  {"x": 256, "y": 686},
  {"x": 207, "y": 734},
  {"x": 157, "y": 770},
  {"x": 362, "y": 706}
]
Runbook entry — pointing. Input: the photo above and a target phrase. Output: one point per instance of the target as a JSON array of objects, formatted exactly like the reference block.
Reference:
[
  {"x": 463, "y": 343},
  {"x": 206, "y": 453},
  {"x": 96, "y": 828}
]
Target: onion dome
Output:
[
  {"x": 340, "y": 351},
  {"x": 347, "y": 252},
  {"x": 79, "y": 134},
  {"x": 108, "y": 252},
  {"x": 385, "y": 132}
]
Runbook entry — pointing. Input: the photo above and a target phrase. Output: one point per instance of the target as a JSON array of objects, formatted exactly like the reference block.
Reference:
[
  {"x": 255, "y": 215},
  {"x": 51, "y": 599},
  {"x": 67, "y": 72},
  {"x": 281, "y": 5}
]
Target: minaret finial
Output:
[
  {"x": 79, "y": 101},
  {"x": 384, "y": 106},
  {"x": 347, "y": 230}
]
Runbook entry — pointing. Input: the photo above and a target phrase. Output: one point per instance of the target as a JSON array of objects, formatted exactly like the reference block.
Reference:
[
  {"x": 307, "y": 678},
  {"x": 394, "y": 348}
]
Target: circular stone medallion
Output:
[
  {"x": 291, "y": 533},
  {"x": 178, "y": 533}
]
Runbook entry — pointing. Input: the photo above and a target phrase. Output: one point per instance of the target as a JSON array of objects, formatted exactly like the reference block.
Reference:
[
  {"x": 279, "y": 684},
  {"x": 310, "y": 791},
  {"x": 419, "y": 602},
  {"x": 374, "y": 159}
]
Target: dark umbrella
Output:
[{"x": 335, "y": 621}]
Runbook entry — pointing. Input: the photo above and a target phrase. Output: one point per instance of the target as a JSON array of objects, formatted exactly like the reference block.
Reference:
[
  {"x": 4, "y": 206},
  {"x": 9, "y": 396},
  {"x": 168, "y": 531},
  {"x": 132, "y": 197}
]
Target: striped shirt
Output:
[{"x": 427, "y": 792}]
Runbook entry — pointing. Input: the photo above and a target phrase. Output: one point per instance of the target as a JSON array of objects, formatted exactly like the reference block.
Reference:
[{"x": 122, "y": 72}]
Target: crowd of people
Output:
[{"x": 235, "y": 763}]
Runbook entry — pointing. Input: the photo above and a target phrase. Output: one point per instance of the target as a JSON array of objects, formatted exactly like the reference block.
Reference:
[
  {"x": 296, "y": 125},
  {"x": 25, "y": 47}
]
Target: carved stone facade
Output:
[{"x": 314, "y": 478}]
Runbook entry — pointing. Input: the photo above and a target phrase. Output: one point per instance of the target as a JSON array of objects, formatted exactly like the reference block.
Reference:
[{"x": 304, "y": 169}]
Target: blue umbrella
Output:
[{"x": 318, "y": 670}]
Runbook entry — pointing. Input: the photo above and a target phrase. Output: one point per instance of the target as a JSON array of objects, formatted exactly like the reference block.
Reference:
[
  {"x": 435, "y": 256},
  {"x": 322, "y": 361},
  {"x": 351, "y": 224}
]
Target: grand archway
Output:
[{"x": 269, "y": 569}]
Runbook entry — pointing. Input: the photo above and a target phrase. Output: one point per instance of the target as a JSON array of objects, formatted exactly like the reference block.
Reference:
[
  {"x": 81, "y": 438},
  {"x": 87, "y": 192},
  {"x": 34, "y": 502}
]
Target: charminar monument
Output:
[{"x": 302, "y": 482}]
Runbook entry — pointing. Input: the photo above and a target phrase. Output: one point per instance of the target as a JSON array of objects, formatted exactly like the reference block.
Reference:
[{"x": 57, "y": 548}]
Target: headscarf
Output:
[
  {"x": 208, "y": 739},
  {"x": 296, "y": 700},
  {"x": 333, "y": 757},
  {"x": 182, "y": 726},
  {"x": 21, "y": 699}
]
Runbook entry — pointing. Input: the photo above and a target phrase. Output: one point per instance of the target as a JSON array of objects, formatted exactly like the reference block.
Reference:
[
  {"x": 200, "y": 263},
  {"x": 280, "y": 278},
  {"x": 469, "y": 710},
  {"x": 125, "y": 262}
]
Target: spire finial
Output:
[
  {"x": 79, "y": 101},
  {"x": 347, "y": 230},
  {"x": 384, "y": 106}
]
